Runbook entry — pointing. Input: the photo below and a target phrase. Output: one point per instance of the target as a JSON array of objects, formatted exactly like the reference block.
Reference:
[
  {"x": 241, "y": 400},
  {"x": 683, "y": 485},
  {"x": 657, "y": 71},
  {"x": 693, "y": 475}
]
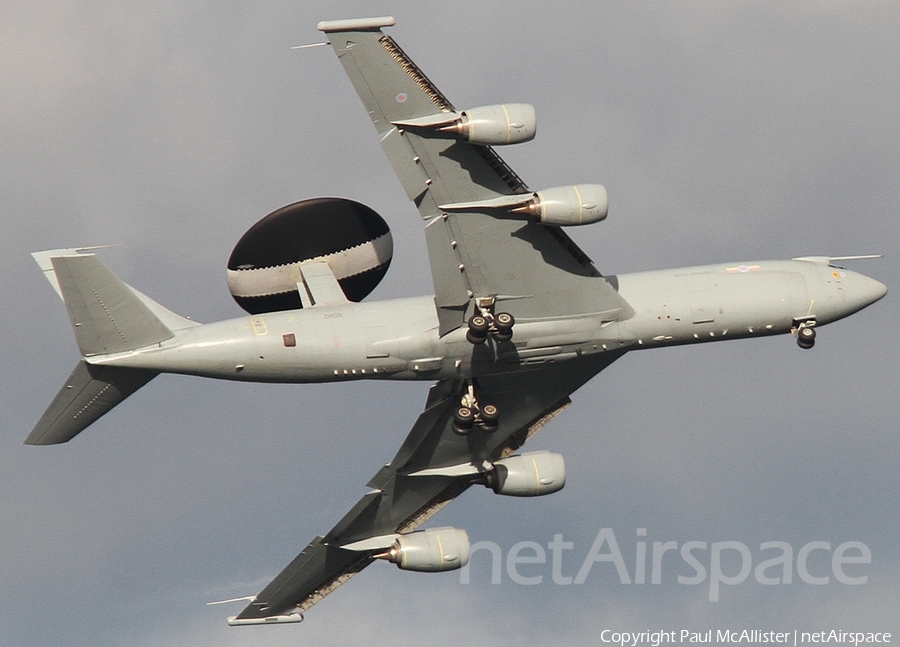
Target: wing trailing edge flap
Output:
[
  {"x": 536, "y": 270},
  {"x": 403, "y": 497}
]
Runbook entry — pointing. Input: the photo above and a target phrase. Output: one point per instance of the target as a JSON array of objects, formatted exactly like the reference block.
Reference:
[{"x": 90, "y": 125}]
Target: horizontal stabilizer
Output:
[
  {"x": 107, "y": 315},
  {"x": 89, "y": 392}
]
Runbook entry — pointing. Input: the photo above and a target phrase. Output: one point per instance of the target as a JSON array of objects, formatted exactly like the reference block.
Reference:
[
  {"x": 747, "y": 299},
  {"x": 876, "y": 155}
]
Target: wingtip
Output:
[
  {"x": 235, "y": 621},
  {"x": 356, "y": 24}
]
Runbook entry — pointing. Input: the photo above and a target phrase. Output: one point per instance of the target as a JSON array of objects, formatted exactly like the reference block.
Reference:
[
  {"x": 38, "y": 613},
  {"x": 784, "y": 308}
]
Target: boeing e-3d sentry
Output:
[{"x": 520, "y": 319}]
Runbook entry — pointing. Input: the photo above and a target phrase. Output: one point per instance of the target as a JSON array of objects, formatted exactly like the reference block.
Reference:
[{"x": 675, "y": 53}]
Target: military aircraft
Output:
[{"x": 520, "y": 319}]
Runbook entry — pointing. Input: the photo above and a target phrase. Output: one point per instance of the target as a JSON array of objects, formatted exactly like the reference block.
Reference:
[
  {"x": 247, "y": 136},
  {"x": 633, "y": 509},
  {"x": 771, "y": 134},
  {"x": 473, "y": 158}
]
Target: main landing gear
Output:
[
  {"x": 806, "y": 334},
  {"x": 471, "y": 413},
  {"x": 485, "y": 322}
]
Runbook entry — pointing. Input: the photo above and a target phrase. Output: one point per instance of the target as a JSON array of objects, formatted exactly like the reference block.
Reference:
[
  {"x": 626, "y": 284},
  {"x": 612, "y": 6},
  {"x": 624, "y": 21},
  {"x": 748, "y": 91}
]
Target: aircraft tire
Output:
[
  {"x": 463, "y": 420},
  {"x": 478, "y": 324},
  {"x": 806, "y": 337},
  {"x": 504, "y": 321},
  {"x": 490, "y": 413}
]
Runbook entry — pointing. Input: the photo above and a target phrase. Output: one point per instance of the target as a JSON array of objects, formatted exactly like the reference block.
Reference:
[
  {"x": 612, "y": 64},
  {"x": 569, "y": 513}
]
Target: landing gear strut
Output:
[
  {"x": 485, "y": 322},
  {"x": 472, "y": 413}
]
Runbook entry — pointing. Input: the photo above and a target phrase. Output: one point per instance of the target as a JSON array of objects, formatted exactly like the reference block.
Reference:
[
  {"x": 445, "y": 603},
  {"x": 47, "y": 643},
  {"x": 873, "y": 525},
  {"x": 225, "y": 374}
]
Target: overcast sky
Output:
[{"x": 726, "y": 131}]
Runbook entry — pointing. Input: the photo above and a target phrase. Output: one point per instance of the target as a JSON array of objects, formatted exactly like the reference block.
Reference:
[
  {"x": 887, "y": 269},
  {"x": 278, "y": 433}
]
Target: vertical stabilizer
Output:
[{"x": 106, "y": 315}]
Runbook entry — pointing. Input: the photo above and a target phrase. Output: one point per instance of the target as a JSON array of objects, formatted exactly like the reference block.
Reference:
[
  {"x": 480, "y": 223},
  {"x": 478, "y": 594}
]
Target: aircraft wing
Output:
[
  {"x": 475, "y": 252},
  {"x": 433, "y": 466}
]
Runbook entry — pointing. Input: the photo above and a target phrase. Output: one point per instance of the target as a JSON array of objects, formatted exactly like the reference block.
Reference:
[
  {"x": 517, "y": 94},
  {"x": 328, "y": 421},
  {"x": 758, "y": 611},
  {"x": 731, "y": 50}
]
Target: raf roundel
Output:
[{"x": 353, "y": 239}]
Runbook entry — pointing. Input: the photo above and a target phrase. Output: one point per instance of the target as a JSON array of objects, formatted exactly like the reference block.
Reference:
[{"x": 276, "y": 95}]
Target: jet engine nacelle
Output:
[
  {"x": 530, "y": 474},
  {"x": 509, "y": 123},
  {"x": 581, "y": 204},
  {"x": 430, "y": 551}
]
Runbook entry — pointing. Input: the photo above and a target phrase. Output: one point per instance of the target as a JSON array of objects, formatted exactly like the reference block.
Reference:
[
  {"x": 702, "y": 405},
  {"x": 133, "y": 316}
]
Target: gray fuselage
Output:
[{"x": 398, "y": 339}]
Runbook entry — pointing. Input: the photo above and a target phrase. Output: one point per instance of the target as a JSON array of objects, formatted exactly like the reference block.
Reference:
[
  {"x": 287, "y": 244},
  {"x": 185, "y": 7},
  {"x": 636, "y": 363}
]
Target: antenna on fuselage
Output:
[{"x": 311, "y": 45}]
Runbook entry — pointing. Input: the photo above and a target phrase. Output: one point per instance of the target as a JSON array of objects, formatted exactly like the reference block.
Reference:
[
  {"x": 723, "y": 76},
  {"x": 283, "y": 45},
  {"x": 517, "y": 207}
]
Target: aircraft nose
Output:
[{"x": 861, "y": 291}]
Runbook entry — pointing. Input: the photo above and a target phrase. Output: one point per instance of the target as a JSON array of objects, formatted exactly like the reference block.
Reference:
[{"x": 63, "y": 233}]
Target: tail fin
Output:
[
  {"x": 107, "y": 316},
  {"x": 89, "y": 392}
]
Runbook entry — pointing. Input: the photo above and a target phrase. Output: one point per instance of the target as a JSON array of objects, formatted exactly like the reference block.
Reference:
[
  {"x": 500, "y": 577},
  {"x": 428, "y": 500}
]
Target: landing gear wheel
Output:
[
  {"x": 504, "y": 322},
  {"x": 463, "y": 420},
  {"x": 478, "y": 329},
  {"x": 489, "y": 415},
  {"x": 806, "y": 337},
  {"x": 478, "y": 324}
]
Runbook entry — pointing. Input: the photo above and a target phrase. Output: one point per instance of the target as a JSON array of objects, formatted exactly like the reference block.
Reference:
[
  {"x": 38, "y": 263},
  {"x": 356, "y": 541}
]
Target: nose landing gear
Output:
[{"x": 806, "y": 334}]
